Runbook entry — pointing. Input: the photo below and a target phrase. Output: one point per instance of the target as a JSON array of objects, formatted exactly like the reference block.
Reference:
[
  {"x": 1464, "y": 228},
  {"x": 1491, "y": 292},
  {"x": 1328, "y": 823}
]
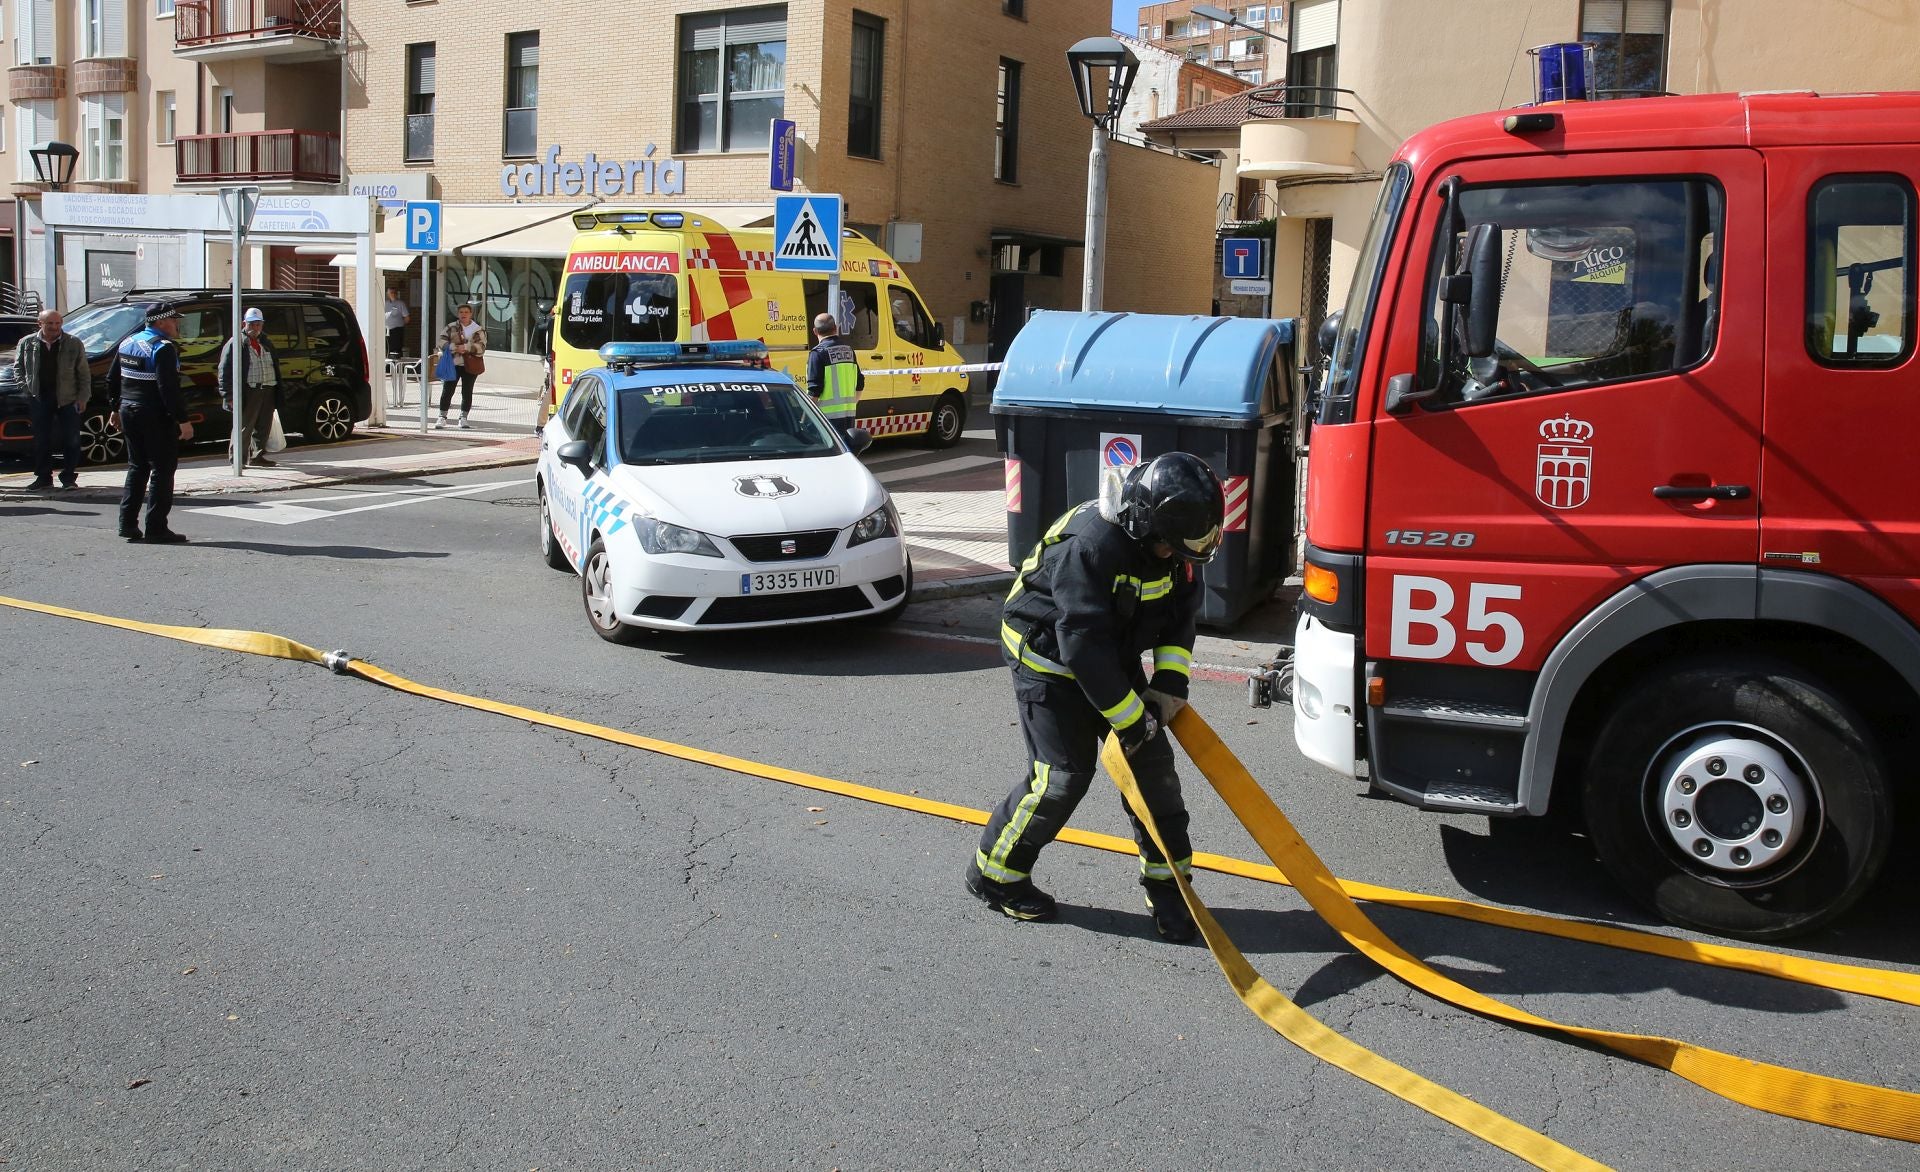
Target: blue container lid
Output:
[{"x": 1223, "y": 367}]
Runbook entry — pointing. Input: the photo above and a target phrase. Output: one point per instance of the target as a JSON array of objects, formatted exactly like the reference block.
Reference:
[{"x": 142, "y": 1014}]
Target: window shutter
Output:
[
  {"x": 113, "y": 28},
  {"x": 701, "y": 32},
  {"x": 1316, "y": 25},
  {"x": 744, "y": 31},
  {"x": 525, "y": 52},
  {"x": 46, "y": 124},
  {"x": 1646, "y": 16},
  {"x": 1602, "y": 17},
  {"x": 42, "y": 32},
  {"x": 23, "y": 32},
  {"x": 423, "y": 70}
]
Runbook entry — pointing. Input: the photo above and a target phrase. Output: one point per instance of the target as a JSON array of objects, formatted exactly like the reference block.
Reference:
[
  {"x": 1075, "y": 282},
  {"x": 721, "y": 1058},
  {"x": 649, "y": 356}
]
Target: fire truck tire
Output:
[{"x": 1739, "y": 795}]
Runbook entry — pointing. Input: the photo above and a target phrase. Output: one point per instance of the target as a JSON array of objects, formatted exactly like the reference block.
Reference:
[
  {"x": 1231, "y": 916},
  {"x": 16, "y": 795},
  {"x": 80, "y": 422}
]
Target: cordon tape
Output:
[{"x": 1796, "y": 1094}]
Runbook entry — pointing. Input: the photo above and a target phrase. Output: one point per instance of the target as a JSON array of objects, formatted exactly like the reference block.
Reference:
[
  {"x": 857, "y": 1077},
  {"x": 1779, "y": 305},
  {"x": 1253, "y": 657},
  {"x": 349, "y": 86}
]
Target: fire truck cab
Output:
[{"x": 1611, "y": 503}]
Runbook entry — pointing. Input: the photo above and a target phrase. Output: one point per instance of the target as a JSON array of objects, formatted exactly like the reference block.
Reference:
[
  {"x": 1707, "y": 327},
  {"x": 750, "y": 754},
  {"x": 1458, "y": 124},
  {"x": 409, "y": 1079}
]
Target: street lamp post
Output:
[
  {"x": 53, "y": 164},
  {"x": 1103, "y": 73}
]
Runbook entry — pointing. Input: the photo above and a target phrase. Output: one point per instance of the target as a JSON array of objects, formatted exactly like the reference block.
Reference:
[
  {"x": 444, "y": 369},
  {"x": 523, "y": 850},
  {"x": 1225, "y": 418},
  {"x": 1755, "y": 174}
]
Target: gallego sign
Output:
[{"x": 593, "y": 176}]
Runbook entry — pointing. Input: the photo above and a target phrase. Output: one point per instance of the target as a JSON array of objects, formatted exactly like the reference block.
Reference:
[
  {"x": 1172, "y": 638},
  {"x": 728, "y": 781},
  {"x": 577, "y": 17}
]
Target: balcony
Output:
[
  {"x": 266, "y": 157},
  {"x": 281, "y": 30},
  {"x": 1292, "y": 132}
]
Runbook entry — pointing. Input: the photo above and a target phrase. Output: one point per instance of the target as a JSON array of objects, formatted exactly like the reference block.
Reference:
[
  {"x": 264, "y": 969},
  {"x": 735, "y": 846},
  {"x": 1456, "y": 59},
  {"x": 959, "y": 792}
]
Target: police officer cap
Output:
[
  {"x": 161, "y": 313},
  {"x": 1175, "y": 498}
]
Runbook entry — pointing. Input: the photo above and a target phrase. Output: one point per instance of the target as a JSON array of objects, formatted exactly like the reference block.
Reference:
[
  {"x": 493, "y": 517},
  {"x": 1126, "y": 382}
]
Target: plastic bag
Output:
[
  {"x": 444, "y": 370},
  {"x": 276, "y": 438}
]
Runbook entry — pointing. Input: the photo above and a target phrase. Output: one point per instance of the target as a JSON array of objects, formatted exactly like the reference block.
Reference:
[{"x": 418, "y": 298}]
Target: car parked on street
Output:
[
  {"x": 324, "y": 387},
  {"x": 693, "y": 488}
]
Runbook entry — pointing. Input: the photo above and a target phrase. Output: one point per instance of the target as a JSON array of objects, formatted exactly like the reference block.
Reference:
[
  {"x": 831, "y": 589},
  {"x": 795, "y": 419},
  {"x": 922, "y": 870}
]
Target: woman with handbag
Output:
[{"x": 466, "y": 343}]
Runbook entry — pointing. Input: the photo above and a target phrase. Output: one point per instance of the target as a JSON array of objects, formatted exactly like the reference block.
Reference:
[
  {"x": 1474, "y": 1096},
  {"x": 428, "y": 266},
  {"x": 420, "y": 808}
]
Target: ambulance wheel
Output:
[
  {"x": 949, "y": 421},
  {"x": 550, "y": 551},
  {"x": 596, "y": 592},
  {"x": 1740, "y": 796}
]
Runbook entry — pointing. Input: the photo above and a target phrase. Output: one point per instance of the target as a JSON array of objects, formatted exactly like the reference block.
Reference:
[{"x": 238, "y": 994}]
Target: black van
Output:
[{"x": 324, "y": 388}]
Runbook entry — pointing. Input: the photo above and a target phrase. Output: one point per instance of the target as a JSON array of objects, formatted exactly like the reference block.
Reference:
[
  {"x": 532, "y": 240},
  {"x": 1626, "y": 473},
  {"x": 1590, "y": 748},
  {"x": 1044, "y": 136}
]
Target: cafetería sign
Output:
[{"x": 593, "y": 176}]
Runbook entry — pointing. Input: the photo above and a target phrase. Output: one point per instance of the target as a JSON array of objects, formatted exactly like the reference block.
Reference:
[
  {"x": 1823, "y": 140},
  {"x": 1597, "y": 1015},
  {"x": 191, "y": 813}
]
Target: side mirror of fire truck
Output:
[
  {"x": 1483, "y": 298},
  {"x": 1328, "y": 334}
]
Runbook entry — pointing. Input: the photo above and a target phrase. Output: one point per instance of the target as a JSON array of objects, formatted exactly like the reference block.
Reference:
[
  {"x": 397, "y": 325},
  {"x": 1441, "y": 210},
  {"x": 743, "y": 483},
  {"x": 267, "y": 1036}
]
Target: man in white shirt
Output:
[
  {"x": 263, "y": 384},
  {"x": 397, "y": 318}
]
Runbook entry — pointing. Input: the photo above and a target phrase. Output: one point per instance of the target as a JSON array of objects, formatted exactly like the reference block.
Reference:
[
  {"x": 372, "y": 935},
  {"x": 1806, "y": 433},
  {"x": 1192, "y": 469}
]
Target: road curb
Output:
[{"x": 992, "y": 583}]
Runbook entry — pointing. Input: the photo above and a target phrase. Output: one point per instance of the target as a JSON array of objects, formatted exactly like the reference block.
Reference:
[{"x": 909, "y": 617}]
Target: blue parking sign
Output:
[
  {"x": 1244, "y": 257},
  {"x": 423, "y": 225}
]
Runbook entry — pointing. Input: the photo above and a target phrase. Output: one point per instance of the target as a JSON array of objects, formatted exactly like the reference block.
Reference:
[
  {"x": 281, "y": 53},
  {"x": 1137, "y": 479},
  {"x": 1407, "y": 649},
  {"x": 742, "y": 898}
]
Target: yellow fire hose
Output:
[{"x": 1796, "y": 1094}]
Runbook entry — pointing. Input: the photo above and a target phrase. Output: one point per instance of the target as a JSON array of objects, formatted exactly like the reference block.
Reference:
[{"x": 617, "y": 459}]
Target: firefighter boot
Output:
[
  {"x": 1170, "y": 917},
  {"x": 1020, "y": 901}
]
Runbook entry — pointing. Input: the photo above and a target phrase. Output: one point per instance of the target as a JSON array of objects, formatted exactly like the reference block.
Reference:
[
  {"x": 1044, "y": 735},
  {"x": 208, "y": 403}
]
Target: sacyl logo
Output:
[{"x": 764, "y": 487}]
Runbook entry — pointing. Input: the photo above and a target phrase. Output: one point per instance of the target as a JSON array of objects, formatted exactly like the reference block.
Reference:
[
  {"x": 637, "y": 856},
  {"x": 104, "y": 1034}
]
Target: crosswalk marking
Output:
[{"x": 294, "y": 513}]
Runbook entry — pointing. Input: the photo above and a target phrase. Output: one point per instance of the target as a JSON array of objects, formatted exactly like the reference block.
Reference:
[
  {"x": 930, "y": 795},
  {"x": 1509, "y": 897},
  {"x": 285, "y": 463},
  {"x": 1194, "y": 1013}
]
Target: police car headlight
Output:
[
  {"x": 661, "y": 537},
  {"x": 882, "y": 522}
]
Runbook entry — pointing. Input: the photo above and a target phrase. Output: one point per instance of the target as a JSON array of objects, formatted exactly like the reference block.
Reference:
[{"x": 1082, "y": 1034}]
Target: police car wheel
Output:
[
  {"x": 949, "y": 421},
  {"x": 101, "y": 443},
  {"x": 1739, "y": 795},
  {"x": 596, "y": 593},
  {"x": 550, "y": 551}
]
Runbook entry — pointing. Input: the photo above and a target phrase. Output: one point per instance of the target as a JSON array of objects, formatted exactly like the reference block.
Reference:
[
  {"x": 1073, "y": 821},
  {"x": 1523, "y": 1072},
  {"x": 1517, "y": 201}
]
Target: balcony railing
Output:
[
  {"x": 1296, "y": 131},
  {"x": 1281, "y": 100},
  {"x": 266, "y": 156},
  {"x": 202, "y": 23}
]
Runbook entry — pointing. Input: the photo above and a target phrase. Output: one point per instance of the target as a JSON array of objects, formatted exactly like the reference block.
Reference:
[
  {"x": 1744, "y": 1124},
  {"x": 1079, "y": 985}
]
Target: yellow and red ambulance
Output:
[{"x": 678, "y": 275}]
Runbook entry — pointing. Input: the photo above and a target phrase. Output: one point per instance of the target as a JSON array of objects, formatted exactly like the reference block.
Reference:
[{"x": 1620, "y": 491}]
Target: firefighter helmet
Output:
[{"x": 1174, "y": 498}]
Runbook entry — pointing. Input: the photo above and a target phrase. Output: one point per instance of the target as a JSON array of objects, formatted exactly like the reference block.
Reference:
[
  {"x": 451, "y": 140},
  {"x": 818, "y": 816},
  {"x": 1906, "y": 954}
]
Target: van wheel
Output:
[
  {"x": 330, "y": 419},
  {"x": 1740, "y": 796},
  {"x": 949, "y": 421},
  {"x": 596, "y": 592},
  {"x": 100, "y": 442},
  {"x": 550, "y": 551}
]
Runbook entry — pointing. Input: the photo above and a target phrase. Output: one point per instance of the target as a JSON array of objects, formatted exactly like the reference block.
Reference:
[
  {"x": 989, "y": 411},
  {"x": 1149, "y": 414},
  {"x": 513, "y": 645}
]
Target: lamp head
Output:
[{"x": 1103, "y": 73}]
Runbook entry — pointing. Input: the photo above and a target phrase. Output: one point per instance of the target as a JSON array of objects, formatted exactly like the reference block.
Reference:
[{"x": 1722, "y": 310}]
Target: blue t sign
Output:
[{"x": 1244, "y": 257}]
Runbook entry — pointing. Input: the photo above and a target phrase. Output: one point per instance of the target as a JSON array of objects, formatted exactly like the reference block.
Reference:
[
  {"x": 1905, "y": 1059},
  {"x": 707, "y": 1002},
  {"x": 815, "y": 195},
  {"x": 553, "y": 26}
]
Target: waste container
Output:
[{"x": 1080, "y": 392}]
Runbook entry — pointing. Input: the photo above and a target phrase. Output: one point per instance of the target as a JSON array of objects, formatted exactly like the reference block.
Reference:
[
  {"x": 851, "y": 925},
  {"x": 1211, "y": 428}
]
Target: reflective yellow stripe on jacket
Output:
[
  {"x": 1175, "y": 659},
  {"x": 841, "y": 395}
]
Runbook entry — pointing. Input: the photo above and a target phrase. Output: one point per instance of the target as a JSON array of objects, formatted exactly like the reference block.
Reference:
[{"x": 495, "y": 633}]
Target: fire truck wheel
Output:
[{"x": 1740, "y": 796}]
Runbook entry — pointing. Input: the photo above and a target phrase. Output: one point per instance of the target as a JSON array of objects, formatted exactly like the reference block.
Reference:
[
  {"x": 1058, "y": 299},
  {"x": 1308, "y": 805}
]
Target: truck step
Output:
[
  {"x": 1469, "y": 798},
  {"x": 1465, "y": 713}
]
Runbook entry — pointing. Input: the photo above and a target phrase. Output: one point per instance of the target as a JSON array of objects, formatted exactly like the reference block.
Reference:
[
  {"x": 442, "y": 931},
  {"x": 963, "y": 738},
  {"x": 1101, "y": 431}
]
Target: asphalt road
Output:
[{"x": 262, "y": 916}]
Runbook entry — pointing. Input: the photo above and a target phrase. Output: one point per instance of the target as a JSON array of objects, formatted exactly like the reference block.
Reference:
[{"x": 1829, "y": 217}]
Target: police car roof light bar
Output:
[{"x": 660, "y": 353}]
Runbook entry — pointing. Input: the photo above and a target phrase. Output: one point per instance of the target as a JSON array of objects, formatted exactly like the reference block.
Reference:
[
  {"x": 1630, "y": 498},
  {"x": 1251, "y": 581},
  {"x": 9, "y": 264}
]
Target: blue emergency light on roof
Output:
[
  {"x": 1562, "y": 72},
  {"x": 659, "y": 353},
  {"x": 668, "y": 219}
]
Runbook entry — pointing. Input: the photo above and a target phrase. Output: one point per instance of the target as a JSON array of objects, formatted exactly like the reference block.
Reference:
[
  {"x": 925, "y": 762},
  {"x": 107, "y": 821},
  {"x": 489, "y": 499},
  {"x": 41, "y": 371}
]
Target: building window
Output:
[
  {"x": 163, "y": 7},
  {"x": 105, "y": 28},
  {"x": 1014, "y": 8},
  {"x": 163, "y": 116},
  {"x": 1006, "y": 124},
  {"x": 1313, "y": 60},
  {"x": 1253, "y": 76},
  {"x": 222, "y": 110},
  {"x": 520, "y": 136},
  {"x": 1629, "y": 44},
  {"x": 33, "y": 25},
  {"x": 863, "y": 86},
  {"x": 35, "y": 123},
  {"x": 1257, "y": 14},
  {"x": 420, "y": 91},
  {"x": 1860, "y": 264},
  {"x": 733, "y": 78},
  {"x": 103, "y": 136}
]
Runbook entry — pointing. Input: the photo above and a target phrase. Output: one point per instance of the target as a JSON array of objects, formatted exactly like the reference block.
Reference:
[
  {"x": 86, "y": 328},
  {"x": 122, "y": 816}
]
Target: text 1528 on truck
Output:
[{"x": 1609, "y": 502}]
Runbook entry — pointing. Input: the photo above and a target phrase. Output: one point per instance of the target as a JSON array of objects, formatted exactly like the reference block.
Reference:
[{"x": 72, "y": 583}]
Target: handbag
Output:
[
  {"x": 476, "y": 365},
  {"x": 443, "y": 370}
]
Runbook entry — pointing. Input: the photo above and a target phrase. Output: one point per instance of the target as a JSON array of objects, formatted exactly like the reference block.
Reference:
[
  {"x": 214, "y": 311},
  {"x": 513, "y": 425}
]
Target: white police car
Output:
[{"x": 693, "y": 489}]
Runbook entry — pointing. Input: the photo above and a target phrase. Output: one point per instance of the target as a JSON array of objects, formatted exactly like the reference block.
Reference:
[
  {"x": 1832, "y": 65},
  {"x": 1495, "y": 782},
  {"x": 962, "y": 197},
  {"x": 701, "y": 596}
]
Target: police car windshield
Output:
[
  {"x": 707, "y": 421},
  {"x": 103, "y": 328}
]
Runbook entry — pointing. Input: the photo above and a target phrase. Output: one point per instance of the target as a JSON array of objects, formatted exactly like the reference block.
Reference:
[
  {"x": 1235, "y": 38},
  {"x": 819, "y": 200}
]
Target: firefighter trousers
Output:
[{"x": 1064, "y": 732}]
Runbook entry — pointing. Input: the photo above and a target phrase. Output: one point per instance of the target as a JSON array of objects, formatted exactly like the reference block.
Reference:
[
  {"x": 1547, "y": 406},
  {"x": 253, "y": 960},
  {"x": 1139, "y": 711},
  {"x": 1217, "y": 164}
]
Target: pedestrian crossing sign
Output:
[{"x": 806, "y": 233}]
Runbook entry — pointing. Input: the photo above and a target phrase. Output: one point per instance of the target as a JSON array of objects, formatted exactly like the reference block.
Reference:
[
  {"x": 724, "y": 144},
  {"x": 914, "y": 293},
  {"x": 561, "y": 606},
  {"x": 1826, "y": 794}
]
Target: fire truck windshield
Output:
[{"x": 1343, "y": 367}]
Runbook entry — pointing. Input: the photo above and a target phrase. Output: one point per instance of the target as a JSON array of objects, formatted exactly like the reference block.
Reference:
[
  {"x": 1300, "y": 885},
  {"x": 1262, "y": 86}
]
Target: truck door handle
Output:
[{"x": 1707, "y": 492}]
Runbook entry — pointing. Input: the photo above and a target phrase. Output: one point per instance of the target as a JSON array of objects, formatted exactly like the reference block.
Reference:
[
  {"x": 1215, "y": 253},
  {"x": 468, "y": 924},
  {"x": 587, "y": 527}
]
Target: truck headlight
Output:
[
  {"x": 662, "y": 537},
  {"x": 880, "y": 523}
]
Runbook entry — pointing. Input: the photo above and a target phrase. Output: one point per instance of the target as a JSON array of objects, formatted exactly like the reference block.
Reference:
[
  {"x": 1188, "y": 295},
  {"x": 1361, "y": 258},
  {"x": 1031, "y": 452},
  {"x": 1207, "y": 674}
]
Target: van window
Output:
[
  {"x": 203, "y": 330},
  {"x": 597, "y": 308},
  {"x": 326, "y": 333},
  {"x": 859, "y": 301},
  {"x": 1860, "y": 258},
  {"x": 910, "y": 318},
  {"x": 283, "y": 330},
  {"x": 1599, "y": 282}
]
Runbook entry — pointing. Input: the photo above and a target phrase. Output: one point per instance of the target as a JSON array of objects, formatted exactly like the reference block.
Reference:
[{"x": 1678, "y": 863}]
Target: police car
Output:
[{"x": 692, "y": 488}]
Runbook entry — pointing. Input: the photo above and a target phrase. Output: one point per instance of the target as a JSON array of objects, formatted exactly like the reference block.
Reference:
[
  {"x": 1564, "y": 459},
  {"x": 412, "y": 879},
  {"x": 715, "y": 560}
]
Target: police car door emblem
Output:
[
  {"x": 1563, "y": 467},
  {"x": 764, "y": 487}
]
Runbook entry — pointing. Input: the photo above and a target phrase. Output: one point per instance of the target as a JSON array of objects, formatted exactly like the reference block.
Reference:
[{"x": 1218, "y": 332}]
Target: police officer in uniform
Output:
[
  {"x": 144, "y": 382},
  {"x": 1110, "y": 581},
  {"x": 833, "y": 374}
]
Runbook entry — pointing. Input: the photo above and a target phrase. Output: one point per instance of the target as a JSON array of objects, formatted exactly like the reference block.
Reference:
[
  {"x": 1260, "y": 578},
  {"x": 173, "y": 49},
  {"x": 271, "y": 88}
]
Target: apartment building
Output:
[
  {"x": 1243, "y": 49},
  {"x": 1364, "y": 75},
  {"x": 164, "y": 96},
  {"x": 1168, "y": 83},
  {"x": 951, "y": 131}
]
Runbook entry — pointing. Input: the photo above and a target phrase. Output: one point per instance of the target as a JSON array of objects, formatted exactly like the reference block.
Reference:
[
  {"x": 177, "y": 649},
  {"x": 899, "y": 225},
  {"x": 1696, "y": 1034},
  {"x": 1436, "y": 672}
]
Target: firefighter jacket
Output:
[
  {"x": 1088, "y": 602},
  {"x": 147, "y": 371}
]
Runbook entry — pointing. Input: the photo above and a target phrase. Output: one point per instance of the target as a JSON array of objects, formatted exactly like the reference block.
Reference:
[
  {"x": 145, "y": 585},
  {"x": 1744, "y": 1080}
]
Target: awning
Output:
[
  {"x": 383, "y": 261},
  {"x": 1034, "y": 239},
  {"x": 472, "y": 230}
]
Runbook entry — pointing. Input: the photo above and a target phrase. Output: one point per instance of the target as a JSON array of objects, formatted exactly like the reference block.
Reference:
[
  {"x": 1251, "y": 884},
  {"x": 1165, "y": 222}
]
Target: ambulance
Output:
[{"x": 652, "y": 275}]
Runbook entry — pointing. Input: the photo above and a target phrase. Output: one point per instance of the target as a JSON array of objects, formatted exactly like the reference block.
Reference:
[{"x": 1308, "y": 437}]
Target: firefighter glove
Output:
[
  {"x": 1140, "y": 733},
  {"x": 1167, "y": 705}
]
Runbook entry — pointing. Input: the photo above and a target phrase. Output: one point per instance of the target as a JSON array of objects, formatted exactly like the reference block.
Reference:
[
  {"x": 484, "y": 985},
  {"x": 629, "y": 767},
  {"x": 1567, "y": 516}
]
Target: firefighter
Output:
[
  {"x": 833, "y": 374},
  {"x": 1111, "y": 580}
]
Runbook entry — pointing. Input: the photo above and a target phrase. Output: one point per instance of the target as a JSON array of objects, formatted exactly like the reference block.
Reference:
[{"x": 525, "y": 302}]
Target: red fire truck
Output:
[{"x": 1612, "y": 501}]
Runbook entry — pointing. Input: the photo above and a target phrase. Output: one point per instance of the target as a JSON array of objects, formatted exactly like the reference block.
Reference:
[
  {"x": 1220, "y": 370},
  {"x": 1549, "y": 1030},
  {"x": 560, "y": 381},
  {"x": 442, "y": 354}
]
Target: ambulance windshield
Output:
[
  {"x": 699, "y": 421},
  {"x": 597, "y": 308},
  {"x": 1343, "y": 367}
]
